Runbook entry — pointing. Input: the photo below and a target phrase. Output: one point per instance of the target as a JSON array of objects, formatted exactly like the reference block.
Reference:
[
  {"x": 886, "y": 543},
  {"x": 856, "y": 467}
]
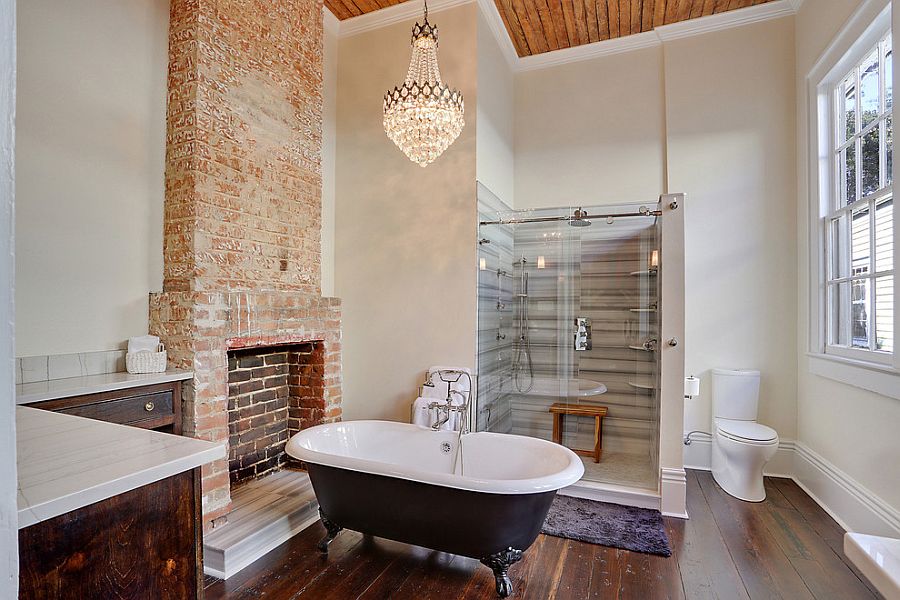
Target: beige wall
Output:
[
  {"x": 854, "y": 429},
  {"x": 731, "y": 149},
  {"x": 405, "y": 236},
  {"x": 90, "y": 137},
  {"x": 494, "y": 144},
  {"x": 591, "y": 132}
]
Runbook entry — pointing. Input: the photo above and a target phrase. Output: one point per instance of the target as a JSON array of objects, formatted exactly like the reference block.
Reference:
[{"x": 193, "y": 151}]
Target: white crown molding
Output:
[
  {"x": 629, "y": 43},
  {"x": 735, "y": 18},
  {"x": 393, "y": 14},
  {"x": 726, "y": 20}
]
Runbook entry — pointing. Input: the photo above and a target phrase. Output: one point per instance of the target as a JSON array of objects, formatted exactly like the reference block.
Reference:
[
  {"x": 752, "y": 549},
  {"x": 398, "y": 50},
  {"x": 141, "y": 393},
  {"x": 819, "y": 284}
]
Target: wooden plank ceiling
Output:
[{"x": 538, "y": 26}]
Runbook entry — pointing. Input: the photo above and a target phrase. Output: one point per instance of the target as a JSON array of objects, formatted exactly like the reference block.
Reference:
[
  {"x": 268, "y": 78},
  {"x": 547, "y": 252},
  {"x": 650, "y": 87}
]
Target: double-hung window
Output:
[
  {"x": 853, "y": 226},
  {"x": 859, "y": 212}
]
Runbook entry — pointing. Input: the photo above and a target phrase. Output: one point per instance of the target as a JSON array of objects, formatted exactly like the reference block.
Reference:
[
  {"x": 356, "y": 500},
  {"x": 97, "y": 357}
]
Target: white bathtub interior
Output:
[{"x": 607, "y": 272}]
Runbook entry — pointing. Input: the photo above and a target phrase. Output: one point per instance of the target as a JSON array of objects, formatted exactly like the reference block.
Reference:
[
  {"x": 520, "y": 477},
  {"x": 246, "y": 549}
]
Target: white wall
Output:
[
  {"x": 591, "y": 132},
  {"x": 731, "y": 149},
  {"x": 405, "y": 236},
  {"x": 90, "y": 158},
  {"x": 9, "y": 528},
  {"x": 853, "y": 429},
  {"x": 494, "y": 158},
  {"x": 329, "y": 146}
]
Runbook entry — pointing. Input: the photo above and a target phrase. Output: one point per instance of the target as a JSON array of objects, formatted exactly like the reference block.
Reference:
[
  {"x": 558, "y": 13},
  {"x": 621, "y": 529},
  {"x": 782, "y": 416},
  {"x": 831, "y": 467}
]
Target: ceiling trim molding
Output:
[
  {"x": 727, "y": 20},
  {"x": 629, "y": 43},
  {"x": 410, "y": 10},
  {"x": 393, "y": 14}
]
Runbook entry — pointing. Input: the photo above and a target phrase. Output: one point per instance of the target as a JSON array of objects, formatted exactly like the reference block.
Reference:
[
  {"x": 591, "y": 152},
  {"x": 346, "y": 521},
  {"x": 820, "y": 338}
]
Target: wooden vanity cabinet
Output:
[
  {"x": 146, "y": 543},
  {"x": 155, "y": 406}
]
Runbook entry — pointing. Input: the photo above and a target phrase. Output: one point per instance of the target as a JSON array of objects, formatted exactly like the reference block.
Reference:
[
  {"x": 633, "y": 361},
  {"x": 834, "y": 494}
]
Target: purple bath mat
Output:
[{"x": 614, "y": 525}]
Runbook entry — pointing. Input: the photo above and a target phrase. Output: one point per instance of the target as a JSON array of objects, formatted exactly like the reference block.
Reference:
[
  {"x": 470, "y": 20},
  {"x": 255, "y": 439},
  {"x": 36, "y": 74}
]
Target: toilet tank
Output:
[{"x": 735, "y": 394}]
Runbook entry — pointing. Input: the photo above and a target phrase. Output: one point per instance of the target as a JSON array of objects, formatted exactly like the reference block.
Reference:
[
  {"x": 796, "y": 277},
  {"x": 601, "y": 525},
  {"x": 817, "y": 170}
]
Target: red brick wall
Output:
[{"x": 243, "y": 172}]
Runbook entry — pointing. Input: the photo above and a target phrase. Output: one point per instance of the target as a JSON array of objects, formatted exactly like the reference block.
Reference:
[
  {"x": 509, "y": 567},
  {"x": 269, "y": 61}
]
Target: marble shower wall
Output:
[{"x": 495, "y": 304}]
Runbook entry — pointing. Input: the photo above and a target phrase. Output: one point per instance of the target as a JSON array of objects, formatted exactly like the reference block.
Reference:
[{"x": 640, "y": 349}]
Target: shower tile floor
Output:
[{"x": 620, "y": 468}]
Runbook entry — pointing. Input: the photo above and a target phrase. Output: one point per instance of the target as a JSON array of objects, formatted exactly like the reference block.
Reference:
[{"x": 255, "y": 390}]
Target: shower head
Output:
[{"x": 578, "y": 219}]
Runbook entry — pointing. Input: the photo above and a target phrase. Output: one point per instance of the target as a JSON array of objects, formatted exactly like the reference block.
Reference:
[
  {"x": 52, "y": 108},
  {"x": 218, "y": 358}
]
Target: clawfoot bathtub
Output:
[{"x": 407, "y": 483}]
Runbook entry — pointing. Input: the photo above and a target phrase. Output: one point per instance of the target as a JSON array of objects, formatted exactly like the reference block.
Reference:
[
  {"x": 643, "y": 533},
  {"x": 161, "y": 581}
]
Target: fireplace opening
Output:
[{"x": 273, "y": 392}]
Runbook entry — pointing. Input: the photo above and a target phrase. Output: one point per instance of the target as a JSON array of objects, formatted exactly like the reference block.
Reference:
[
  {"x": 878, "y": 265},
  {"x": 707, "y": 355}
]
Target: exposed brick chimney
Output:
[{"x": 243, "y": 203}]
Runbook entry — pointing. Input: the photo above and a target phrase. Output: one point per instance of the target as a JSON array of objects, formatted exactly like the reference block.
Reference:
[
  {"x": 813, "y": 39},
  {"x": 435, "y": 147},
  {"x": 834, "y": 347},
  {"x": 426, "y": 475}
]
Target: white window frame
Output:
[{"x": 875, "y": 371}]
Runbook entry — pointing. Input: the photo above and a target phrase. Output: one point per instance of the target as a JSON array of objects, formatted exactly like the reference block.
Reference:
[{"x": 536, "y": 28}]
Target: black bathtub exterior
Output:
[{"x": 493, "y": 528}]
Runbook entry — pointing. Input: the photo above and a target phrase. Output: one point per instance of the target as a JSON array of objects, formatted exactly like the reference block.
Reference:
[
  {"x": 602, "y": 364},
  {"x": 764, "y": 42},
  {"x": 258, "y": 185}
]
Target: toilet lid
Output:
[{"x": 750, "y": 431}]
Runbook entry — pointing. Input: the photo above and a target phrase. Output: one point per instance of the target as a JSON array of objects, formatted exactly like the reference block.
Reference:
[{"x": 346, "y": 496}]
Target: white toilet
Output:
[{"x": 741, "y": 447}]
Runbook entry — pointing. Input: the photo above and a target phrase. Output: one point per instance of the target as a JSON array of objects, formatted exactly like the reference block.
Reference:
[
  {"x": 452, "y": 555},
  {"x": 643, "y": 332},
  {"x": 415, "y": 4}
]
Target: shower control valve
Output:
[{"x": 583, "y": 334}]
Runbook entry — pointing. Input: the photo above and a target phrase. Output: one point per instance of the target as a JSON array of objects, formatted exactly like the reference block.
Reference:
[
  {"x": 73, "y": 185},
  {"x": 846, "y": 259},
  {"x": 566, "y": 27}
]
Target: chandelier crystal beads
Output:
[{"x": 424, "y": 115}]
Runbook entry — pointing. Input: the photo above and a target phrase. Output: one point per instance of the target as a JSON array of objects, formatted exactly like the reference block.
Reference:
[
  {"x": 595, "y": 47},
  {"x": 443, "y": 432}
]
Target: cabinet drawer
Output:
[{"x": 148, "y": 407}]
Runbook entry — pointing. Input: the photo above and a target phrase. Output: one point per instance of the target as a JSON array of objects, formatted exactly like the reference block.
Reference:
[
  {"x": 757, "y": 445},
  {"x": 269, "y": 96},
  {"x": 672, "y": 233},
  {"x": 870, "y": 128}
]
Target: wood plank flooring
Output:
[{"x": 786, "y": 547}]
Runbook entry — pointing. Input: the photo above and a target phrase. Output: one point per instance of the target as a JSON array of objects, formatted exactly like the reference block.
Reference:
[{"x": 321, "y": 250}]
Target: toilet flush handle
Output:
[{"x": 673, "y": 342}]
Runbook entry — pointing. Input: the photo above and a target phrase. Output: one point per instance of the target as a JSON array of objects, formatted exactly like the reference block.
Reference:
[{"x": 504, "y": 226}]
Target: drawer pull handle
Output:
[{"x": 148, "y": 407}]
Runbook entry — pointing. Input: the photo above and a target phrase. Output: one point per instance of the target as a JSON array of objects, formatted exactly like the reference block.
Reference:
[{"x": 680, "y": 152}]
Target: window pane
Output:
[
  {"x": 884, "y": 235},
  {"x": 859, "y": 242},
  {"x": 889, "y": 147},
  {"x": 838, "y": 248},
  {"x": 848, "y": 166},
  {"x": 888, "y": 75},
  {"x": 870, "y": 149},
  {"x": 859, "y": 313},
  {"x": 869, "y": 106},
  {"x": 884, "y": 313},
  {"x": 849, "y": 108},
  {"x": 838, "y": 310}
]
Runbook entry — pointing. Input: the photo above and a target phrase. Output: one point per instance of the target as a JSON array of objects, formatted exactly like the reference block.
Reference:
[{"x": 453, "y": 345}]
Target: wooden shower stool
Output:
[{"x": 560, "y": 409}]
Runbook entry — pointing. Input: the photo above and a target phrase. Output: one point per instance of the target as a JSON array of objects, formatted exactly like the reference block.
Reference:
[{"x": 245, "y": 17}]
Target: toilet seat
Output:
[{"x": 747, "y": 432}]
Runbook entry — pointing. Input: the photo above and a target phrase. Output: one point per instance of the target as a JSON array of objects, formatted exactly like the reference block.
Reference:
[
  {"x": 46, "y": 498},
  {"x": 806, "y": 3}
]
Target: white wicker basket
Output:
[{"x": 146, "y": 362}]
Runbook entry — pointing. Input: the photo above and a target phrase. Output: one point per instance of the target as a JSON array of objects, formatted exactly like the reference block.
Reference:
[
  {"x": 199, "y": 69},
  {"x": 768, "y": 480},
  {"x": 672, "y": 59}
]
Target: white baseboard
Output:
[
  {"x": 698, "y": 456},
  {"x": 852, "y": 505},
  {"x": 673, "y": 492}
]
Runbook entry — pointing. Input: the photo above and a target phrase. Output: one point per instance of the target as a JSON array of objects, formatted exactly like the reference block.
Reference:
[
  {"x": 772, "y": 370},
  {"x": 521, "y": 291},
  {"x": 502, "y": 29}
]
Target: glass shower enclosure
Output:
[{"x": 568, "y": 315}]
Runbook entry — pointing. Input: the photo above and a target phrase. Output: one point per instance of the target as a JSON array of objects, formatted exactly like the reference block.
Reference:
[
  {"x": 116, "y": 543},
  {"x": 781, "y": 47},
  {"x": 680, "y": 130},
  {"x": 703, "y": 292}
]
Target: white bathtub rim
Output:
[{"x": 572, "y": 473}]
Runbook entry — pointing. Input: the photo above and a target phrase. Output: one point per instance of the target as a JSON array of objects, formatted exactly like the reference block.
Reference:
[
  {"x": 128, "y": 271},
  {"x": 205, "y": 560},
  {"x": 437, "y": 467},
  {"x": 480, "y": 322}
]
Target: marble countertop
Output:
[
  {"x": 67, "y": 462},
  {"x": 38, "y": 391}
]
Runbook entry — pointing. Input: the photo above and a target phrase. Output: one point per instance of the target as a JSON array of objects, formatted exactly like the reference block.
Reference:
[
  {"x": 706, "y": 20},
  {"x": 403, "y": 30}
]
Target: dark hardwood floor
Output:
[{"x": 786, "y": 547}]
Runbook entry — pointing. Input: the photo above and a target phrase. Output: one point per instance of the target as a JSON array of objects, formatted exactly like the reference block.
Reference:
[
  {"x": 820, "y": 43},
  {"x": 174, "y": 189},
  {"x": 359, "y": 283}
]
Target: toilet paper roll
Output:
[{"x": 691, "y": 386}]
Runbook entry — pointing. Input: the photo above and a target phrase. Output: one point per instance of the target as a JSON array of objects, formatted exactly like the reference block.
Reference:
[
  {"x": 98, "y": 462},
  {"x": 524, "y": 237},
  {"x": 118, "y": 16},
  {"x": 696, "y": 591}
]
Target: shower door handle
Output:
[{"x": 583, "y": 334}]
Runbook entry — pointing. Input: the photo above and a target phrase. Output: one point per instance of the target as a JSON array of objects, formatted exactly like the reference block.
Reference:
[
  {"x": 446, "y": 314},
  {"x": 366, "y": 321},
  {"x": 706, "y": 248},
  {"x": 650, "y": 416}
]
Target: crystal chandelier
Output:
[{"x": 424, "y": 115}]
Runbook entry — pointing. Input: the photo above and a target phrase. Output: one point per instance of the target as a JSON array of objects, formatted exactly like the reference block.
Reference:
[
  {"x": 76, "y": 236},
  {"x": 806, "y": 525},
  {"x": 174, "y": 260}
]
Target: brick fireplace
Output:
[
  {"x": 243, "y": 214},
  {"x": 273, "y": 393}
]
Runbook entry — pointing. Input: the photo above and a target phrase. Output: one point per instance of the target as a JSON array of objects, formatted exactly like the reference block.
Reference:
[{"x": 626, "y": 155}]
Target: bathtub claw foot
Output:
[
  {"x": 332, "y": 530},
  {"x": 499, "y": 563}
]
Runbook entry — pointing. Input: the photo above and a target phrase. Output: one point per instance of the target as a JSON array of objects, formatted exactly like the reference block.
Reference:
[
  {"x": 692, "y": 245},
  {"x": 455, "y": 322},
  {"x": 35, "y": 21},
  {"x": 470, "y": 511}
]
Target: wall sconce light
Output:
[{"x": 540, "y": 262}]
